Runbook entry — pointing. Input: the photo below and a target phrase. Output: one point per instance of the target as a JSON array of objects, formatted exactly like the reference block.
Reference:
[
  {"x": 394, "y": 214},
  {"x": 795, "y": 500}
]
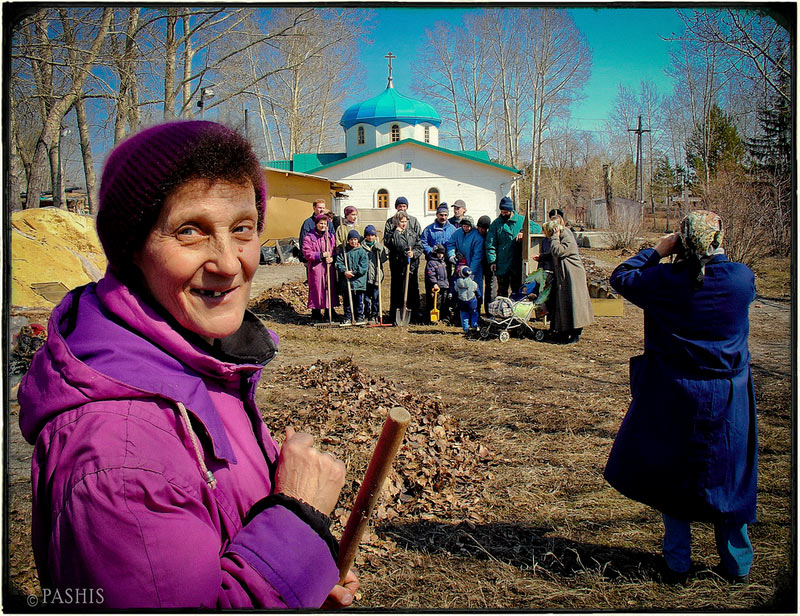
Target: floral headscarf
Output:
[
  {"x": 551, "y": 226},
  {"x": 701, "y": 236},
  {"x": 701, "y": 232}
]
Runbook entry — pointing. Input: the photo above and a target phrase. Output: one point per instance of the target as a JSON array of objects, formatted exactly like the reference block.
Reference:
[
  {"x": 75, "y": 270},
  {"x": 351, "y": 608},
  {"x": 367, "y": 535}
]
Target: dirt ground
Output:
[{"x": 519, "y": 516}]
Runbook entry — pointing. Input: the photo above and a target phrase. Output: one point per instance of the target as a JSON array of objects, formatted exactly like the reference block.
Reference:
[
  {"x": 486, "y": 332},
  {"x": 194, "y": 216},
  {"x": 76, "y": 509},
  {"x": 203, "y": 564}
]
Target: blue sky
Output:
[{"x": 625, "y": 42}]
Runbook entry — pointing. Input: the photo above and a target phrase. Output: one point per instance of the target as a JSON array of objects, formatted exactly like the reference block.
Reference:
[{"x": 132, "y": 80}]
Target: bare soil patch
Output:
[{"x": 497, "y": 499}]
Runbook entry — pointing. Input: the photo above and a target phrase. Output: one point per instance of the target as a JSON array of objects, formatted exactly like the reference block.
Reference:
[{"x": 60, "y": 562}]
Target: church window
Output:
[
  {"x": 427, "y": 134},
  {"x": 383, "y": 198},
  {"x": 395, "y": 133},
  {"x": 433, "y": 199},
  {"x": 361, "y": 135}
]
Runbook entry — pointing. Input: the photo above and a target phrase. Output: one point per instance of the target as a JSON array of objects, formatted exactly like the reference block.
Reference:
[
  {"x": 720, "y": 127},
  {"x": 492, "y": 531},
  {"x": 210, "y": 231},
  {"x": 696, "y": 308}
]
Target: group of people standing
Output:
[
  {"x": 467, "y": 266},
  {"x": 342, "y": 259}
]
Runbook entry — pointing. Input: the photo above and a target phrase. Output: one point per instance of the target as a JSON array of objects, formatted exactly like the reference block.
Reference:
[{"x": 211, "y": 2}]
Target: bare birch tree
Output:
[
  {"x": 557, "y": 65},
  {"x": 754, "y": 44},
  {"x": 58, "y": 95}
]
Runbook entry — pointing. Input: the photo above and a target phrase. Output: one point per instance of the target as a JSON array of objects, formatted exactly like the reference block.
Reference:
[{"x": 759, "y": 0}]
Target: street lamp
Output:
[{"x": 204, "y": 94}]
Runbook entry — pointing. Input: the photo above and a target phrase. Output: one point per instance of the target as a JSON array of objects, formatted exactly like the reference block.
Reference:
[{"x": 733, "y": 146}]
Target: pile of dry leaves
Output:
[
  {"x": 440, "y": 470},
  {"x": 289, "y": 299}
]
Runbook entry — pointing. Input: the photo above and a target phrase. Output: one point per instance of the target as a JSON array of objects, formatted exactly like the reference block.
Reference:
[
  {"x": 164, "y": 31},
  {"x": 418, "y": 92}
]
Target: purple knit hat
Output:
[{"x": 144, "y": 169}]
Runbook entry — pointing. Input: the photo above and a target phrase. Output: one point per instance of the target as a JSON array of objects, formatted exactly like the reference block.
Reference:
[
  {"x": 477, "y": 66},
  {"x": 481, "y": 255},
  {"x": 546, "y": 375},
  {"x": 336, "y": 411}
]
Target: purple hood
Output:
[{"x": 141, "y": 361}]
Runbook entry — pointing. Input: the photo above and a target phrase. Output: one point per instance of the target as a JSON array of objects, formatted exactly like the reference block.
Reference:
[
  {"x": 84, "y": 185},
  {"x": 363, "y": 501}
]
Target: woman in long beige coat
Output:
[{"x": 573, "y": 309}]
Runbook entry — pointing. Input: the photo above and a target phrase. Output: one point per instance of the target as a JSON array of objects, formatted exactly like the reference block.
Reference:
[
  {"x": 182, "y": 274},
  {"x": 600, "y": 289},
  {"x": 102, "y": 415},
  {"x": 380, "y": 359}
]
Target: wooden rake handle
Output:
[{"x": 389, "y": 442}]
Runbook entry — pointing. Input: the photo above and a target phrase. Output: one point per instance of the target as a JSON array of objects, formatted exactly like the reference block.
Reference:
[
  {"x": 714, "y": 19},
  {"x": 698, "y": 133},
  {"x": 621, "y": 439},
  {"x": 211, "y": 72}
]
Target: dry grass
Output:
[{"x": 534, "y": 526}]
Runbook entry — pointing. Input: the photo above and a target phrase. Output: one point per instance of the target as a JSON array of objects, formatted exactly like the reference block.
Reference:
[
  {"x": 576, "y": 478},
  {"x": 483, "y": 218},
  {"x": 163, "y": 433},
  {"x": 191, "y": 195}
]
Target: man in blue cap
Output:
[{"x": 504, "y": 248}]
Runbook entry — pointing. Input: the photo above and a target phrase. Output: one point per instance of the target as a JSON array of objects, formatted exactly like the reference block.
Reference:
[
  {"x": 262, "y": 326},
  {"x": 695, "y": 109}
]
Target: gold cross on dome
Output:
[{"x": 390, "y": 56}]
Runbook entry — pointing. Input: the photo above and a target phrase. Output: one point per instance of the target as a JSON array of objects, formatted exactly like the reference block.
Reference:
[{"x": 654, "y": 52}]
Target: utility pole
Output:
[{"x": 639, "y": 184}]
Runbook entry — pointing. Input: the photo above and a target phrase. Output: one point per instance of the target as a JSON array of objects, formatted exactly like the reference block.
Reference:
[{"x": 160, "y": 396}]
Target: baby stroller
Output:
[{"x": 516, "y": 313}]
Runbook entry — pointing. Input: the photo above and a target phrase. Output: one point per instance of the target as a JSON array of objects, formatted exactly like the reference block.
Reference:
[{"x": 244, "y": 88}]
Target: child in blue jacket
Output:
[{"x": 436, "y": 278}]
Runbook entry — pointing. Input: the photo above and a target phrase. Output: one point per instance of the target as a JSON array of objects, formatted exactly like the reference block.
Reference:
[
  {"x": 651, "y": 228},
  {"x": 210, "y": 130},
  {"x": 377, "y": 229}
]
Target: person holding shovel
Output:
[
  {"x": 377, "y": 256},
  {"x": 310, "y": 222},
  {"x": 405, "y": 250},
  {"x": 400, "y": 205},
  {"x": 348, "y": 223},
  {"x": 437, "y": 282},
  {"x": 352, "y": 264},
  {"x": 318, "y": 252},
  {"x": 154, "y": 477}
]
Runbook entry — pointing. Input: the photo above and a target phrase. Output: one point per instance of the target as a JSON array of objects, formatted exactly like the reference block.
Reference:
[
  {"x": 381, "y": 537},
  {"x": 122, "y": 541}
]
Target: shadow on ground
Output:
[{"x": 525, "y": 547}]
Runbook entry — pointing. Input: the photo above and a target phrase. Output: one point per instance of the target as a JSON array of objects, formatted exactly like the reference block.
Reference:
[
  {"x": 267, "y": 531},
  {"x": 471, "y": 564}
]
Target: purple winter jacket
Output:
[{"x": 120, "y": 498}]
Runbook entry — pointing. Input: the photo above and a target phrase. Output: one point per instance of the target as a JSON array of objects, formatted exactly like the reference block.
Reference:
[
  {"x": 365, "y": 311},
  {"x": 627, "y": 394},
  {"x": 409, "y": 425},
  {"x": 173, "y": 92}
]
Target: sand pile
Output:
[{"x": 50, "y": 245}]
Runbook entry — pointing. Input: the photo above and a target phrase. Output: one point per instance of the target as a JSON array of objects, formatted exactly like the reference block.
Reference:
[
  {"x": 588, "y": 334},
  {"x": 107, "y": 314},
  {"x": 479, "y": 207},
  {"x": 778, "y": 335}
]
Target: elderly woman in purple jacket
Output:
[
  {"x": 155, "y": 480},
  {"x": 318, "y": 252}
]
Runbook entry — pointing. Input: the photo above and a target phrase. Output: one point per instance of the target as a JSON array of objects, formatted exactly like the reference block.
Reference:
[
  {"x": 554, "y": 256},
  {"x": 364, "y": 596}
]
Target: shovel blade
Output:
[
  {"x": 402, "y": 317},
  {"x": 434, "y": 315}
]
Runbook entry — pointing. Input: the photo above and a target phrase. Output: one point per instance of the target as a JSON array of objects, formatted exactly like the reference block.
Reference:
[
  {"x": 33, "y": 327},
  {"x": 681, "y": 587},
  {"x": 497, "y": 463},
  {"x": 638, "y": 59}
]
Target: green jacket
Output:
[
  {"x": 358, "y": 263},
  {"x": 501, "y": 247}
]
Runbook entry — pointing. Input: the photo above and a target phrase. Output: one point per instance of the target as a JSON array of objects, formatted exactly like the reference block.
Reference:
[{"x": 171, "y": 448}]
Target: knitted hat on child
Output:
[
  {"x": 353, "y": 233},
  {"x": 439, "y": 249},
  {"x": 370, "y": 230},
  {"x": 144, "y": 169},
  {"x": 484, "y": 222},
  {"x": 465, "y": 272},
  {"x": 467, "y": 220}
]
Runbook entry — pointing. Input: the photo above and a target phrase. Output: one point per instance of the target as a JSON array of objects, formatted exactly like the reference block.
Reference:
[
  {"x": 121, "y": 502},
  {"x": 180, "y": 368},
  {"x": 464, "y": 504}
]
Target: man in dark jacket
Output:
[
  {"x": 401, "y": 205},
  {"x": 489, "y": 277},
  {"x": 688, "y": 444},
  {"x": 405, "y": 250}
]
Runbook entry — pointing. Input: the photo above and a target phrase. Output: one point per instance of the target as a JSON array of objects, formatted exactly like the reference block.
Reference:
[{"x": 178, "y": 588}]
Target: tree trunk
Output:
[
  {"x": 52, "y": 123},
  {"x": 127, "y": 77},
  {"x": 188, "y": 58},
  {"x": 16, "y": 171},
  {"x": 54, "y": 156},
  {"x": 607, "y": 190},
  {"x": 86, "y": 151},
  {"x": 170, "y": 53}
]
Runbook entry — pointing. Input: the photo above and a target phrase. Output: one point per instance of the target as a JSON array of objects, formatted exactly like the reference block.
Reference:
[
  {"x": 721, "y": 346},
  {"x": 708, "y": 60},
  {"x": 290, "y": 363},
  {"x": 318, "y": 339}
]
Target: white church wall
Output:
[
  {"x": 480, "y": 186},
  {"x": 352, "y": 146}
]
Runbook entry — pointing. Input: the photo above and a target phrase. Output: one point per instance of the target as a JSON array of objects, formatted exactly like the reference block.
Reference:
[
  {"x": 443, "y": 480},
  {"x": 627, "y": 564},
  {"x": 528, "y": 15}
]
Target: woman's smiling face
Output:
[{"x": 200, "y": 257}]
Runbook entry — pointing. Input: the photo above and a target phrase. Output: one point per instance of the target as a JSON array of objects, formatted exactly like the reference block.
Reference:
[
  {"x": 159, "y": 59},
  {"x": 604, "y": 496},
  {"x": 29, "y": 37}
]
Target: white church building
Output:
[{"x": 392, "y": 150}]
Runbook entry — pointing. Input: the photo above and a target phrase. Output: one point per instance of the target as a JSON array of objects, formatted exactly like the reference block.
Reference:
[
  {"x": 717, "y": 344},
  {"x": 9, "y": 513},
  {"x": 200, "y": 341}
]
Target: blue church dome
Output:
[{"x": 389, "y": 105}]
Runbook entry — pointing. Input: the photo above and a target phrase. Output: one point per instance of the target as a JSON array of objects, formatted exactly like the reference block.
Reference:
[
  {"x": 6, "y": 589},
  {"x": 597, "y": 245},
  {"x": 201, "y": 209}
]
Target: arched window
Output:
[
  {"x": 433, "y": 199},
  {"x": 360, "y": 134},
  {"x": 395, "y": 133},
  {"x": 427, "y": 134},
  {"x": 383, "y": 198}
]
